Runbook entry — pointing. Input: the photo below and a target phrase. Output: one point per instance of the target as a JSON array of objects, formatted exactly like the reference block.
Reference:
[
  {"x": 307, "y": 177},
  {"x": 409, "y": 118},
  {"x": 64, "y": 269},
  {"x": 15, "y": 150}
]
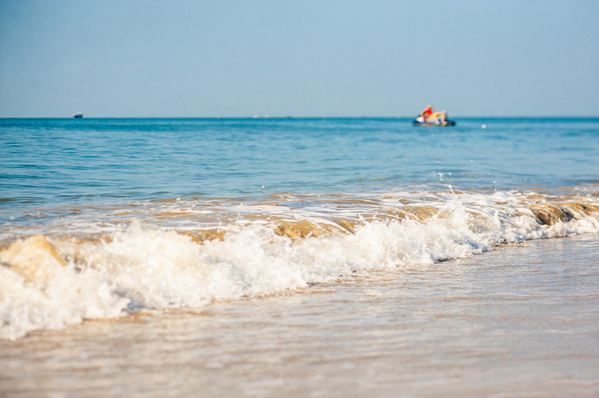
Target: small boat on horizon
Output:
[
  {"x": 78, "y": 115},
  {"x": 429, "y": 122},
  {"x": 428, "y": 118}
]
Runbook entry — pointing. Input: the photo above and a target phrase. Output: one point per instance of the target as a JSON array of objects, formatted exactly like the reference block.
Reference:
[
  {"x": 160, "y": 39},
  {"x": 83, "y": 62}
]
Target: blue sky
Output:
[{"x": 185, "y": 58}]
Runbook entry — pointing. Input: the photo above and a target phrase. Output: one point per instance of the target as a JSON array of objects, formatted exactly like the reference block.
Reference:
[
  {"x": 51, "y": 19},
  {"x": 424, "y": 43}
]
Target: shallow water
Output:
[{"x": 519, "y": 321}]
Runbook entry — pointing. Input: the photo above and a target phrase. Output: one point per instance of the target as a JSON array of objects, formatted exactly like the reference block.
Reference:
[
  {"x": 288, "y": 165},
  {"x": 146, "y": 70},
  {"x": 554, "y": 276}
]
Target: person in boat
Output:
[
  {"x": 426, "y": 113},
  {"x": 428, "y": 116}
]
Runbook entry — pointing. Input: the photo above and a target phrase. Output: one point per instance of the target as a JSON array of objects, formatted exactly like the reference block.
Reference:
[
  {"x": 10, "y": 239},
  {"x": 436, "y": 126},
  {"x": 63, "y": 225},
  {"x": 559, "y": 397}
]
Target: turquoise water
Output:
[
  {"x": 103, "y": 217},
  {"x": 99, "y": 160}
]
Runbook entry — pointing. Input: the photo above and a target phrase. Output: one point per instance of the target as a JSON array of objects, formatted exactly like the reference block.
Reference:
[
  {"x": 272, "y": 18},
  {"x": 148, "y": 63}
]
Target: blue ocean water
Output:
[
  {"x": 44, "y": 161},
  {"x": 104, "y": 217}
]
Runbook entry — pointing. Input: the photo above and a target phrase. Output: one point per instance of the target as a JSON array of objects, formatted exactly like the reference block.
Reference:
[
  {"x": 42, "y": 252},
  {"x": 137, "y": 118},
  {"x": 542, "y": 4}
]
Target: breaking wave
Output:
[{"x": 156, "y": 258}]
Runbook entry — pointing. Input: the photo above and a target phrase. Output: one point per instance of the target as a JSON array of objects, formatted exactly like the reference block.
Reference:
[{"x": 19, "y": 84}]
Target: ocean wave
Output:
[{"x": 174, "y": 253}]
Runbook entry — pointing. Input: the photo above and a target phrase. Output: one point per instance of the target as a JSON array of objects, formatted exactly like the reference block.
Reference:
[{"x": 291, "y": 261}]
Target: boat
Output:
[
  {"x": 432, "y": 121},
  {"x": 428, "y": 118},
  {"x": 78, "y": 115}
]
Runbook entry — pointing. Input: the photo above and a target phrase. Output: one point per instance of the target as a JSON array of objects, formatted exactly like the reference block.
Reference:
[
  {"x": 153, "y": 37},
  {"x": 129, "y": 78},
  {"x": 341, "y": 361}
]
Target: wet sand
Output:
[{"x": 521, "y": 321}]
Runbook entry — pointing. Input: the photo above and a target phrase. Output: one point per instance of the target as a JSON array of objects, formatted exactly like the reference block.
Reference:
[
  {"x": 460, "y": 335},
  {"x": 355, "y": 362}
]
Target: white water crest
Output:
[{"x": 50, "y": 282}]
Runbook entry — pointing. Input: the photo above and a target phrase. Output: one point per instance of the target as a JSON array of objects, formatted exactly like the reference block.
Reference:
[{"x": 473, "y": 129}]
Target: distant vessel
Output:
[
  {"x": 78, "y": 115},
  {"x": 429, "y": 118},
  {"x": 432, "y": 121}
]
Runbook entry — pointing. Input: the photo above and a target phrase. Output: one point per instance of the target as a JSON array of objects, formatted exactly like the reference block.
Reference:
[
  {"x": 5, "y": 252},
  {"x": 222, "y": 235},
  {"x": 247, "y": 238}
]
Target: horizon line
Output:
[{"x": 295, "y": 117}]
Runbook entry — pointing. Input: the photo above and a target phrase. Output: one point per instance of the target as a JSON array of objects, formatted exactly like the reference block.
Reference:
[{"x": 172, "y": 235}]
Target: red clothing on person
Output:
[{"x": 427, "y": 112}]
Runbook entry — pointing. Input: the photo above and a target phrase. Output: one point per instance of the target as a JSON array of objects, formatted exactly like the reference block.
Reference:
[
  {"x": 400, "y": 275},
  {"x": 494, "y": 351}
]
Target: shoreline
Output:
[{"x": 516, "y": 321}]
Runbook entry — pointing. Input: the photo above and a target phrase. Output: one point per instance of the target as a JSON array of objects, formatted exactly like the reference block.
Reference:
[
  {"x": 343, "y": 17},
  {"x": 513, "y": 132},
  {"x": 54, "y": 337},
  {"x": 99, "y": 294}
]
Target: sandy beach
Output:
[{"x": 520, "y": 321}]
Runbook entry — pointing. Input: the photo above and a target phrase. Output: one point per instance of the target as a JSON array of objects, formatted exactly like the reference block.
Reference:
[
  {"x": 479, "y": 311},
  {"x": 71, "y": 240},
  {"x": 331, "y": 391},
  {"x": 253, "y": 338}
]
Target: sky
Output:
[{"x": 298, "y": 58}]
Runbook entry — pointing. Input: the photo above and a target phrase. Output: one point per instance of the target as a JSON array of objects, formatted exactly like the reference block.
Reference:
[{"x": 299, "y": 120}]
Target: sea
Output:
[{"x": 299, "y": 257}]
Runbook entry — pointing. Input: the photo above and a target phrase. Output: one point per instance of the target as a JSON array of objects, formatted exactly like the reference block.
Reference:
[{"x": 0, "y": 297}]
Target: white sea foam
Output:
[{"x": 50, "y": 283}]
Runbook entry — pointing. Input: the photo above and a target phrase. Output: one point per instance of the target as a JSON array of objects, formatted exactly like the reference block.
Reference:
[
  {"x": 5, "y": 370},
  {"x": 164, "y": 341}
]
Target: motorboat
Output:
[
  {"x": 436, "y": 119},
  {"x": 78, "y": 115}
]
